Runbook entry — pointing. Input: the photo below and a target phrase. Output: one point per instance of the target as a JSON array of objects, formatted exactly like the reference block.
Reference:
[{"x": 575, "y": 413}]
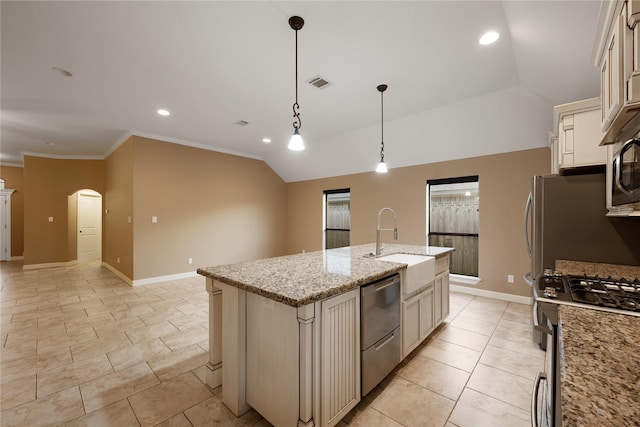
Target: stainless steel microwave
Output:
[{"x": 625, "y": 186}]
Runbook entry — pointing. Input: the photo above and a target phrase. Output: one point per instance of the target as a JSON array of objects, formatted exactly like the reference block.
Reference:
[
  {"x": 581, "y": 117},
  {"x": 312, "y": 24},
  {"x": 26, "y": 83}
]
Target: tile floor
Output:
[{"x": 82, "y": 348}]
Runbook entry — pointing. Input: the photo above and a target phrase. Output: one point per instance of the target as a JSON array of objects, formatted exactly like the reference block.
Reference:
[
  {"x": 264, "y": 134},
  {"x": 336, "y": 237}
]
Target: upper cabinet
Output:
[
  {"x": 577, "y": 141},
  {"x": 616, "y": 53}
]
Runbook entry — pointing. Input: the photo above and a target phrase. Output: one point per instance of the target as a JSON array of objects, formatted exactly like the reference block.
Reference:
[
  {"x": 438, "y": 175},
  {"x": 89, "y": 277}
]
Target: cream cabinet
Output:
[
  {"x": 340, "y": 356},
  {"x": 616, "y": 53},
  {"x": 417, "y": 319},
  {"x": 296, "y": 366},
  {"x": 441, "y": 298},
  {"x": 578, "y": 135}
]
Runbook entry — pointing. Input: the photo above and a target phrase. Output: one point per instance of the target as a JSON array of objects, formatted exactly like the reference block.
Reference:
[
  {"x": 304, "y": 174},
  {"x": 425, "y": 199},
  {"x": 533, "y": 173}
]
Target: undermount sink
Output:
[{"x": 421, "y": 269}]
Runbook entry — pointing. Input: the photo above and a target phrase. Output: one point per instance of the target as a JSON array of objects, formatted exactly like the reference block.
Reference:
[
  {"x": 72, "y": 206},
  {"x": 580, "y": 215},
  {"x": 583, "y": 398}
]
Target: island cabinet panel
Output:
[
  {"x": 441, "y": 300},
  {"x": 340, "y": 356},
  {"x": 417, "y": 319},
  {"x": 272, "y": 360}
]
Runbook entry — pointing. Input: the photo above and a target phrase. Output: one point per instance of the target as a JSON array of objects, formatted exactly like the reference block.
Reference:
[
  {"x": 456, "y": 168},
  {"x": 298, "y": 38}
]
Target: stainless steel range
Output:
[{"x": 552, "y": 289}]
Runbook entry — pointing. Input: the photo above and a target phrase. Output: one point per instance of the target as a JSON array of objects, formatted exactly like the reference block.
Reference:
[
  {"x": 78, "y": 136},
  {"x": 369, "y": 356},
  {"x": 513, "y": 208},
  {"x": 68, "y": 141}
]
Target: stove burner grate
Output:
[{"x": 619, "y": 294}]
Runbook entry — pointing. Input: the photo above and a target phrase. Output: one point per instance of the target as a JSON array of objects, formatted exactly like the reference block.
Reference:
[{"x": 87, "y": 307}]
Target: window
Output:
[
  {"x": 337, "y": 218},
  {"x": 453, "y": 214}
]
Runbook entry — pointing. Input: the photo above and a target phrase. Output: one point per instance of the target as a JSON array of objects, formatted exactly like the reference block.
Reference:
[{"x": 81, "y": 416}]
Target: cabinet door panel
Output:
[{"x": 410, "y": 324}]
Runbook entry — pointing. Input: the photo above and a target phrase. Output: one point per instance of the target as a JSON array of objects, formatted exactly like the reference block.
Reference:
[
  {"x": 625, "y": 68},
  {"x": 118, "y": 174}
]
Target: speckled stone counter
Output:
[
  {"x": 629, "y": 272},
  {"x": 600, "y": 379},
  {"x": 300, "y": 279}
]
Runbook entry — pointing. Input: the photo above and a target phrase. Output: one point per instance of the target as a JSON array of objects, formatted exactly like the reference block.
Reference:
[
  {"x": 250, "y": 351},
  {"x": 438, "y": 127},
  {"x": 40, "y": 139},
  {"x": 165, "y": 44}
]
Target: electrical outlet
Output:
[
  {"x": 190, "y": 260},
  {"x": 50, "y": 219},
  {"x": 510, "y": 278},
  {"x": 154, "y": 219}
]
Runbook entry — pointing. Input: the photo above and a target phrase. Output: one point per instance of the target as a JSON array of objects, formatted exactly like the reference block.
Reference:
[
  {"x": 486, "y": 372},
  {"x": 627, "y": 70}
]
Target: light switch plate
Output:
[
  {"x": 50, "y": 219},
  {"x": 154, "y": 219}
]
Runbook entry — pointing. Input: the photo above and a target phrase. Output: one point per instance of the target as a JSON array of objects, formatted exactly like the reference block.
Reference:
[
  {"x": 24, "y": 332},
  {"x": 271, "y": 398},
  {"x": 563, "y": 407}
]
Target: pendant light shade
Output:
[
  {"x": 296, "y": 143},
  {"x": 382, "y": 166}
]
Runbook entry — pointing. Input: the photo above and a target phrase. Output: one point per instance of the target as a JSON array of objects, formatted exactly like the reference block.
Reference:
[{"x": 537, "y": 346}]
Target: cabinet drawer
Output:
[{"x": 442, "y": 264}]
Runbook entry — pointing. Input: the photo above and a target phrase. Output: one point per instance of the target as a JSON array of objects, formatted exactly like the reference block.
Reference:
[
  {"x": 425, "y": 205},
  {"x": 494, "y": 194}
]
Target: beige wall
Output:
[
  {"x": 505, "y": 181},
  {"x": 13, "y": 177},
  {"x": 212, "y": 207},
  {"x": 118, "y": 204},
  {"x": 47, "y": 185}
]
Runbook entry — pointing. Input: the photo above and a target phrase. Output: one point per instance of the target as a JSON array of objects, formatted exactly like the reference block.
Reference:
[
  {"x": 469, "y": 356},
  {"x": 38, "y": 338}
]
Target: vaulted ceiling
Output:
[{"x": 213, "y": 64}]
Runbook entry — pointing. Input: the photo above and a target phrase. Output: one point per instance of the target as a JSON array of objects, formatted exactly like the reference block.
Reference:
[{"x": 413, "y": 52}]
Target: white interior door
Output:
[{"x": 89, "y": 226}]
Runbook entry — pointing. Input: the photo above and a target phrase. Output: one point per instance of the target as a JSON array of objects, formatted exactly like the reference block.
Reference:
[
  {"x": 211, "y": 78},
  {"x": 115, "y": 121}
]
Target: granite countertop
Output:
[
  {"x": 300, "y": 279},
  {"x": 600, "y": 379},
  {"x": 579, "y": 268}
]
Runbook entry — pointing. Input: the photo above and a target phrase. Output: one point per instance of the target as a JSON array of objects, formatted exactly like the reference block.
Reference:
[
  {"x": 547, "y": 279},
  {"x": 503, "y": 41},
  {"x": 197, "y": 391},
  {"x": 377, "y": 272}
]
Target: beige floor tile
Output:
[
  {"x": 17, "y": 392},
  {"x": 53, "y": 358},
  {"x": 24, "y": 349},
  {"x": 476, "y": 409},
  {"x": 501, "y": 385},
  {"x": 169, "y": 398},
  {"x": 61, "y": 378},
  {"x": 212, "y": 412},
  {"x": 412, "y": 405},
  {"x": 17, "y": 368},
  {"x": 52, "y": 410},
  {"x": 480, "y": 326},
  {"x": 91, "y": 348},
  {"x": 141, "y": 351},
  {"x": 517, "y": 337},
  {"x": 512, "y": 362},
  {"x": 116, "y": 386},
  {"x": 463, "y": 338},
  {"x": 178, "y": 362},
  {"x": 117, "y": 414},
  {"x": 518, "y": 313},
  {"x": 370, "y": 417},
  {"x": 435, "y": 376},
  {"x": 452, "y": 354},
  {"x": 179, "y": 420},
  {"x": 192, "y": 335},
  {"x": 117, "y": 326},
  {"x": 150, "y": 332}
]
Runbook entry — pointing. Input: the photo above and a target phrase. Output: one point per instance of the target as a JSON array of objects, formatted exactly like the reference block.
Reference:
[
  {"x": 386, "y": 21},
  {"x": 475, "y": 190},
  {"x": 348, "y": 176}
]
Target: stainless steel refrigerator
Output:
[{"x": 565, "y": 219}]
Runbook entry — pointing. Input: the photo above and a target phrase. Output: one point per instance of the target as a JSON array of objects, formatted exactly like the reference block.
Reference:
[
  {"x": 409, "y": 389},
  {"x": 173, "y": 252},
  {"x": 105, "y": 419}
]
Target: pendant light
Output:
[
  {"x": 382, "y": 166},
  {"x": 296, "y": 143}
]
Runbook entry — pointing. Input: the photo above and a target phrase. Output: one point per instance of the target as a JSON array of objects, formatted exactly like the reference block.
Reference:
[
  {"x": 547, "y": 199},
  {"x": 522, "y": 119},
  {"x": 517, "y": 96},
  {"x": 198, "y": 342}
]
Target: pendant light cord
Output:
[
  {"x": 297, "y": 123},
  {"x": 382, "y": 126}
]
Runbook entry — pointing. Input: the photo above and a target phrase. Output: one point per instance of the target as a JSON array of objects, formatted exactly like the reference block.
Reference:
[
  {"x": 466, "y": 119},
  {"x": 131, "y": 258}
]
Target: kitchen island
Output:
[{"x": 286, "y": 330}]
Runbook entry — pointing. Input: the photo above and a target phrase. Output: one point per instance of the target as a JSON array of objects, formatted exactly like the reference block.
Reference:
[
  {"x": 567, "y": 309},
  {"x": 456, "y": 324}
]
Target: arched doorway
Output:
[{"x": 88, "y": 229}]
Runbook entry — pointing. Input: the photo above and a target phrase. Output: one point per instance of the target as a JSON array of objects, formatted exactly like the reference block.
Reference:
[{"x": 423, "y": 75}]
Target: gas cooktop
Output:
[{"x": 620, "y": 295}]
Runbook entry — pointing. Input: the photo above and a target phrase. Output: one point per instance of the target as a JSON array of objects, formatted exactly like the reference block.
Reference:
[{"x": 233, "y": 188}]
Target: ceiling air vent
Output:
[
  {"x": 318, "y": 82},
  {"x": 240, "y": 123}
]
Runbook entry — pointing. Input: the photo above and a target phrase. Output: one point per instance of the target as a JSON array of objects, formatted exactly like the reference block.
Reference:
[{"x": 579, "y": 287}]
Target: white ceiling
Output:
[{"x": 214, "y": 63}]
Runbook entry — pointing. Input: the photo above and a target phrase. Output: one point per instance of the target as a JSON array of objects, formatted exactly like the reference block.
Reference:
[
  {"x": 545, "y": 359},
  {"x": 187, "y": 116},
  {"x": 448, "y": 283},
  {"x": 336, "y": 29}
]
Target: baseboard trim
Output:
[
  {"x": 491, "y": 294},
  {"x": 49, "y": 265},
  {"x": 159, "y": 279},
  {"x": 118, "y": 273},
  {"x": 16, "y": 258}
]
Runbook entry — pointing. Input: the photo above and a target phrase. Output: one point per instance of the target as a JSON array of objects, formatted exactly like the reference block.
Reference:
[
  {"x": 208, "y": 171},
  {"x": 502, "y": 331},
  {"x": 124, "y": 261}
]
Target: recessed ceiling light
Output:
[
  {"x": 266, "y": 140},
  {"x": 163, "y": 112},
  {"x": 489, "y": 37},
  {"x": 51, "y": 143}
]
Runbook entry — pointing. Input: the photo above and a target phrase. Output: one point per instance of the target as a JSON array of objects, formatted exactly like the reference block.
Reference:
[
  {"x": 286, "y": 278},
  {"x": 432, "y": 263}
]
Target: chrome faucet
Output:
[{"x": 378, "y": 230}]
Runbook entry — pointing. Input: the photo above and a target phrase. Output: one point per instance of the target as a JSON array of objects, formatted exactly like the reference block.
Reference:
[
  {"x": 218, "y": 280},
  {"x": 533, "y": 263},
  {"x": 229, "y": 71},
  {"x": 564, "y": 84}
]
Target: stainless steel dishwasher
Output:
[{"x": 379, "y": 330}]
